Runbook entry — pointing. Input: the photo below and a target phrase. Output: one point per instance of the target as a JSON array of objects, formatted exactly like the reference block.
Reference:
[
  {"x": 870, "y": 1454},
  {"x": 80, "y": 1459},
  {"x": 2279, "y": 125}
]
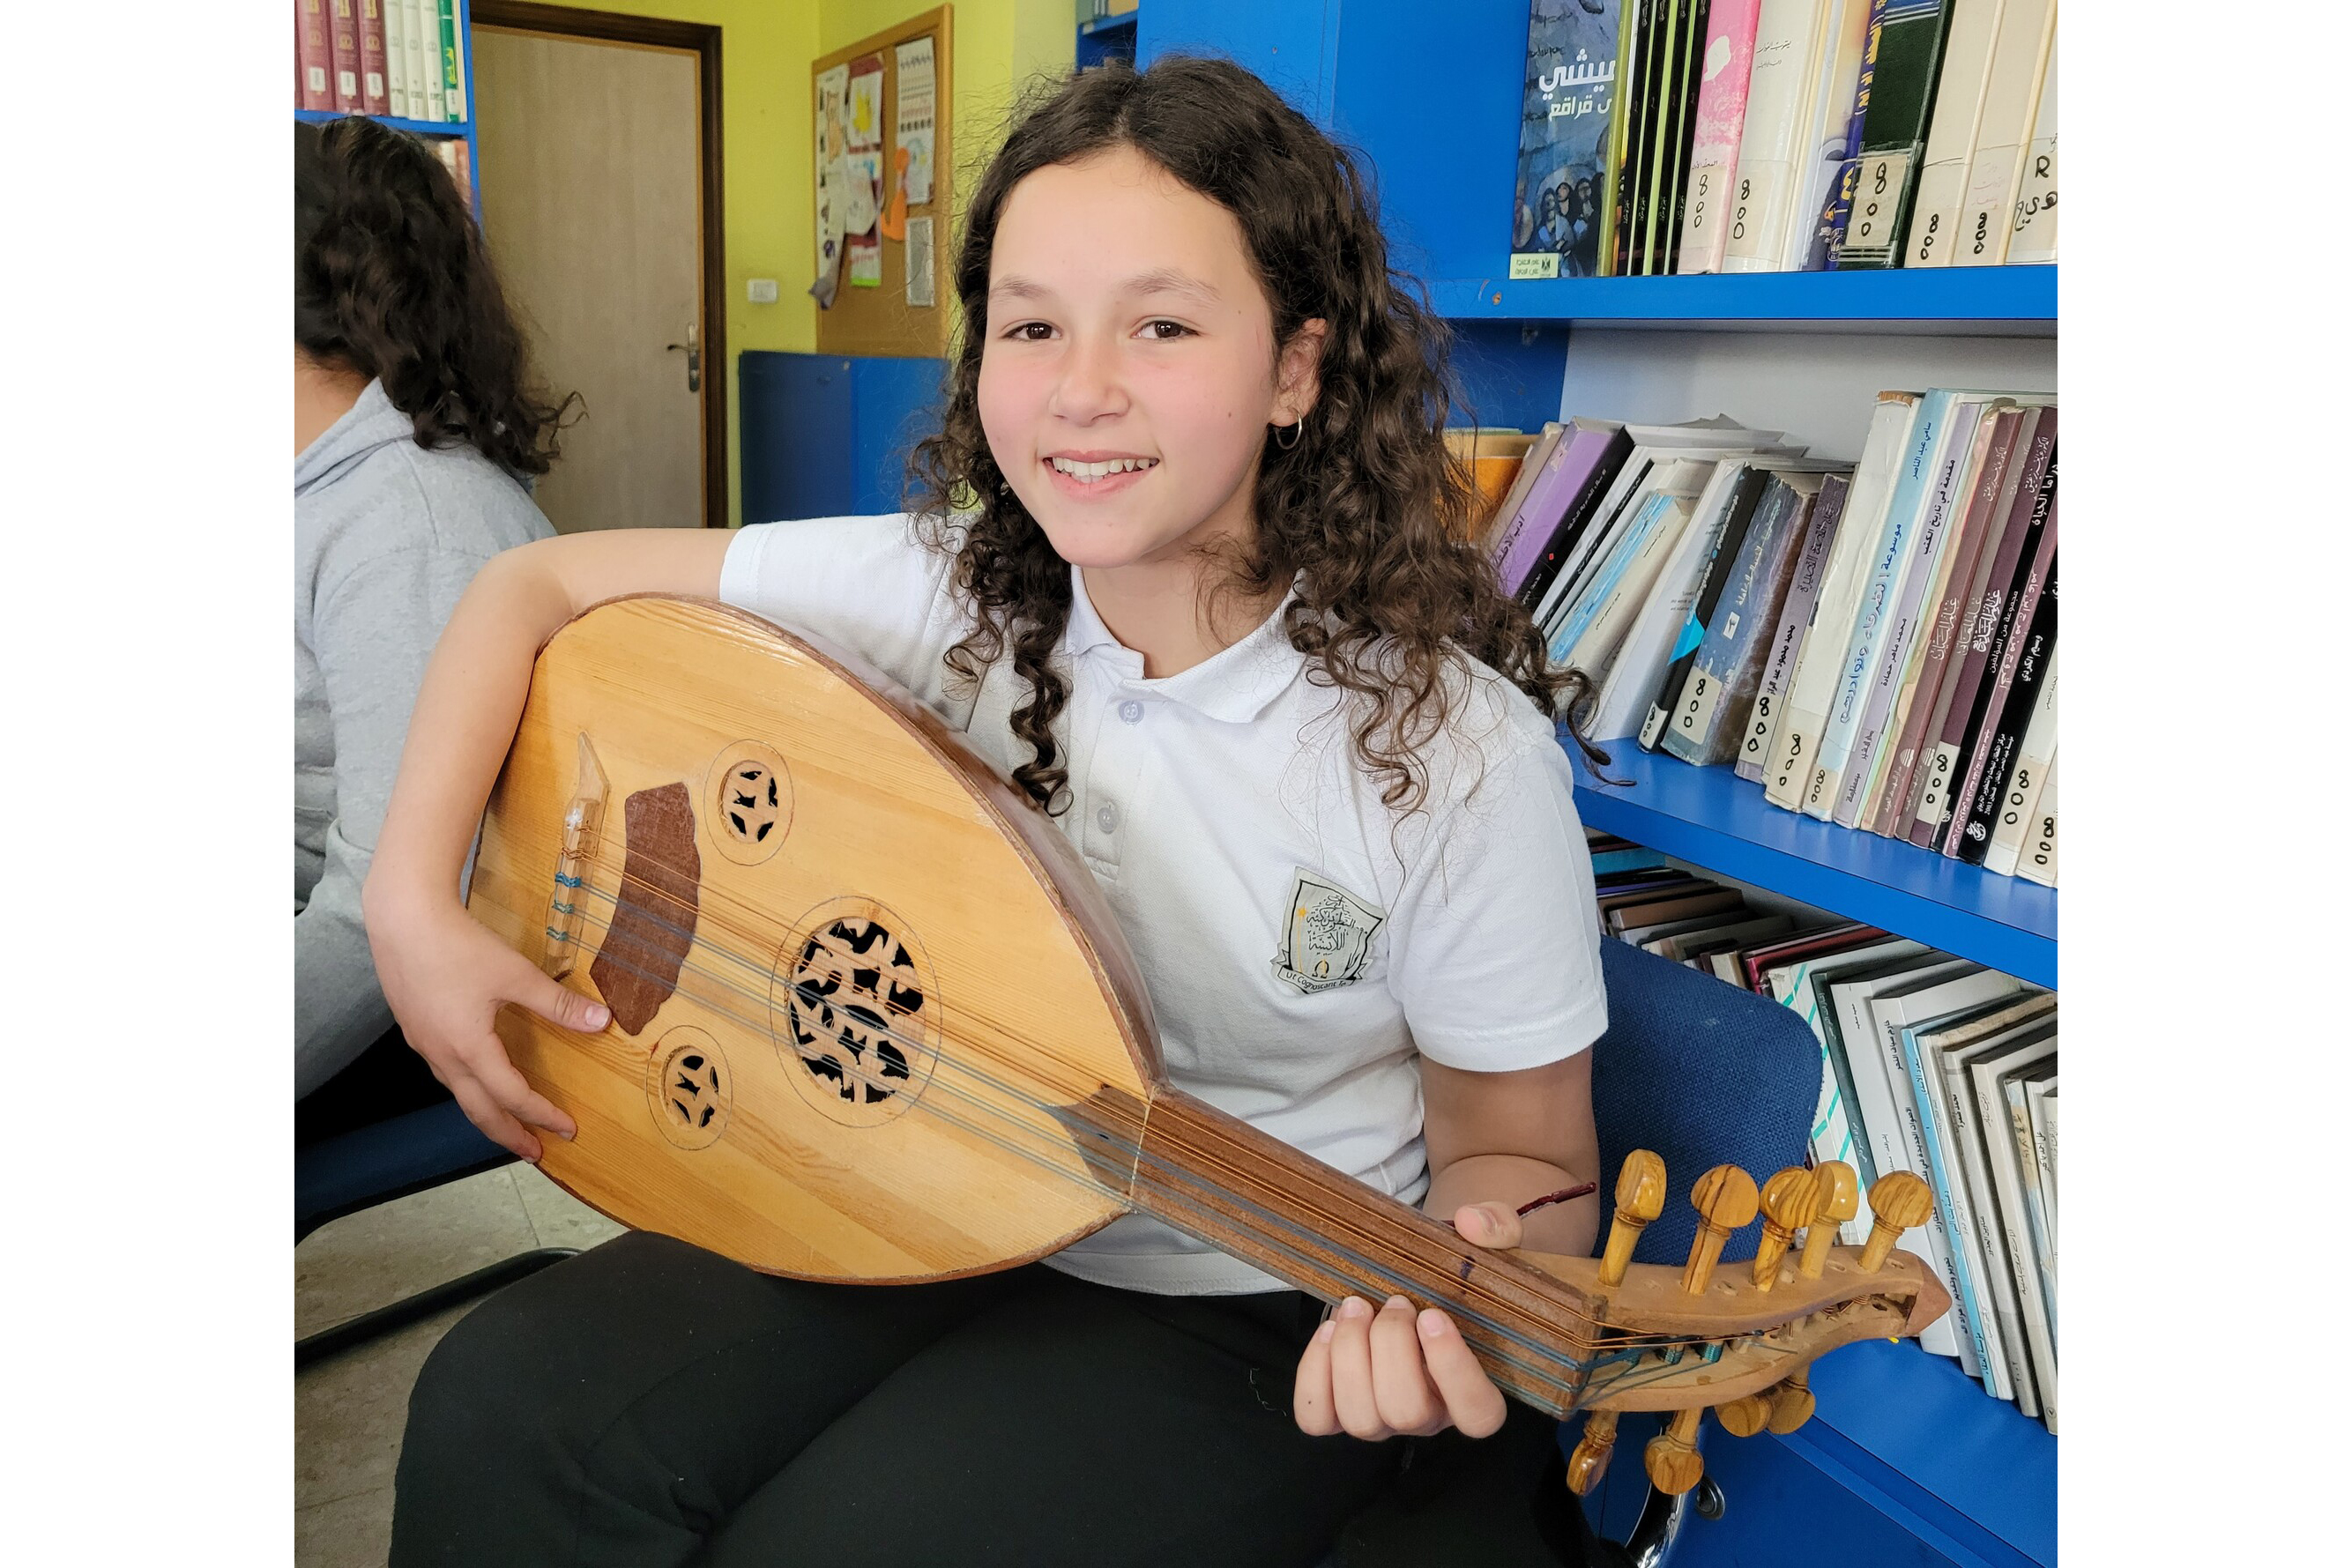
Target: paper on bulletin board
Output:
[
  {"x": 832, "y": 101},
  {"x": 861, "y": 189},
  {"x": 866, "y": 103},
  {"x": 864, "y": 261},
  {"x": 917, "y": 115},
  {"x": 919, "y": 263}
]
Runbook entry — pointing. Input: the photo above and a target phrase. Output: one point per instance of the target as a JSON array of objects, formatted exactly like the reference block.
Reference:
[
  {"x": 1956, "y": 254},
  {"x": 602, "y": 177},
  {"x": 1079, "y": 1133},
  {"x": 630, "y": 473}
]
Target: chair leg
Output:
[{"x": 423, "y": 1304}]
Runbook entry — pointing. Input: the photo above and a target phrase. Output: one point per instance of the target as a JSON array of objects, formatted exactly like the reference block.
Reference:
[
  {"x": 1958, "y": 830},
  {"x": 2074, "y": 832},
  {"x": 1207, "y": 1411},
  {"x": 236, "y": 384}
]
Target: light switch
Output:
[{"x": 760, "y": 291}]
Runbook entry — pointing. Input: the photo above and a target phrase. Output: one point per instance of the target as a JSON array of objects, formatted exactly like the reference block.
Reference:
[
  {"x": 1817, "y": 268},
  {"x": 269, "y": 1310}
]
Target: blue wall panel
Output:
[{"x": 826, "y": 436}]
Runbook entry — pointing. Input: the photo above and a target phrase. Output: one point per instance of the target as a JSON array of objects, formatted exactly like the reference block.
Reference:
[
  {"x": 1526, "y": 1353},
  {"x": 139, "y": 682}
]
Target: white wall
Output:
[{"x": 1818, "y": 386}]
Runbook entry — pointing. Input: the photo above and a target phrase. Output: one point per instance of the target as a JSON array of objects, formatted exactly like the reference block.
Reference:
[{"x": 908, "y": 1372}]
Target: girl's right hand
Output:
[{"x": 446, "y": 977}]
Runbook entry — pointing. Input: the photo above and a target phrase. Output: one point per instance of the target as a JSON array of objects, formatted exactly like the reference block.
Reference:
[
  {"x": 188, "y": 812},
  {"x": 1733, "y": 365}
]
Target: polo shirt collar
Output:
[{"x": 1234, "y": 686}]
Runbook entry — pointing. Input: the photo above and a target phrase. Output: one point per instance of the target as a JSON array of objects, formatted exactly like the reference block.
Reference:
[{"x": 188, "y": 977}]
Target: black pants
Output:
[{"x": 649, "y": 1403}]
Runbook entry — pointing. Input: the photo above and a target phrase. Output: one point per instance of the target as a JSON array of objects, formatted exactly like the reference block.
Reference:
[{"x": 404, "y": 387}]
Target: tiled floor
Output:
[{"x": 348, "y": 1411}]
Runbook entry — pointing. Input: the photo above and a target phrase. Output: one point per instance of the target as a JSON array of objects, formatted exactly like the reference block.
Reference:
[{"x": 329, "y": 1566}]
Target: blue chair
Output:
[
  {"x": 407, "y": 1150},
  {"x": 1702, "y": 1074}
]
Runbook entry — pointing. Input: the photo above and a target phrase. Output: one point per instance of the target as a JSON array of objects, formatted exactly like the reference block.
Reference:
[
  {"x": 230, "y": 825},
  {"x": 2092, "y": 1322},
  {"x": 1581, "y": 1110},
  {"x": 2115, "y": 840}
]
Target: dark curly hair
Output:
[
  {"x": 1367, "y": 510},
  {"x": 391, "y": 279}
]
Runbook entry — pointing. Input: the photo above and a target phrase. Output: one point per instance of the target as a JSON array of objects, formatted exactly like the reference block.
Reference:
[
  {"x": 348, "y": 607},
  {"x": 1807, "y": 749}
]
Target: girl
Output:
[
  {"x": 1181, "y": 565},
  {"x": 413, "y": 428}
]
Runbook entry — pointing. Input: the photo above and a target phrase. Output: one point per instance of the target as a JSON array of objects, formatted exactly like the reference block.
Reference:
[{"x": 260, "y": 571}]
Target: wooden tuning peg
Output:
[
  {"x": 1641, "y": 1197},
  {"x": 1899, "y": 1201},
  {"x": 1789, "y": 1198},
  {"x": 1725, "y": 1200},
  {"x": 1672, "y": 1458},
  {"x": 1839, "y": 1199},
  {"x": 1745, "y": 1416},
  {"x": 1591, "y": 1456},
  {"x": 1793, "y": 1402}
]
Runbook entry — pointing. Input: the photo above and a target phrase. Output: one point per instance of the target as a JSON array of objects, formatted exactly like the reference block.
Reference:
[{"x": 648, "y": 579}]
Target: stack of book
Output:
[
  {"x": 1929, "y": 1064},
  {"x": 1875, "y": 647},
  {"x": 403, "y": 58},
  {"x": 1697, "y": 136}
]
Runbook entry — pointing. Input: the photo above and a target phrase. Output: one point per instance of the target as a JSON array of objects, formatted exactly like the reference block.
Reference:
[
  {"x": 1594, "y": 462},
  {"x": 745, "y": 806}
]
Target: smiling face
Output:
[{"x": 1129, "y": 371}]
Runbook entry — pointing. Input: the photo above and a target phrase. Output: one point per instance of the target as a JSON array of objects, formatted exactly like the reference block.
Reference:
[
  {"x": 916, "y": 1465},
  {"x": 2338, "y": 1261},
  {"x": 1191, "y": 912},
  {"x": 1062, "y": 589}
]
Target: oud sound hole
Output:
[
  {"x": 689, "y": 1088},
  {"x": 753, "y": 799},
  {"x": 858, "y": 1013}
]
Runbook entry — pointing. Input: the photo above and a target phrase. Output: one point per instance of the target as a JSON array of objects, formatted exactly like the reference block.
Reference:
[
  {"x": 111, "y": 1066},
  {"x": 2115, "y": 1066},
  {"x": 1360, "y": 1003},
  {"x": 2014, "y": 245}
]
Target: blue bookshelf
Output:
[
  {"x": 1712, "y": 818},
  {"x": 1908, "y": 1459},
  {"x": 2019, "y": 301}
]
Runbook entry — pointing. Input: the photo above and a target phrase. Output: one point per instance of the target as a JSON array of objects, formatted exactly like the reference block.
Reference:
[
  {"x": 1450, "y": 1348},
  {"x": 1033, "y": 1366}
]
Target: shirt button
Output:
[
  {"x": 1106, "y": 816},
  {"x": 1131, "y": 711}
]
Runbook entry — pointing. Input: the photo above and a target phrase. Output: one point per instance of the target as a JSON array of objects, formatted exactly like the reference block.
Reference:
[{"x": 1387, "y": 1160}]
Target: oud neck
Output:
[{"x": 1255, "y": 1197}]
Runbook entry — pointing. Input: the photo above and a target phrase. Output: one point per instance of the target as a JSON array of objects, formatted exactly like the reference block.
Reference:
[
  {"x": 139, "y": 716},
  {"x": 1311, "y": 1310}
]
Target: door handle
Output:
[{"x": 693, "y": 350}]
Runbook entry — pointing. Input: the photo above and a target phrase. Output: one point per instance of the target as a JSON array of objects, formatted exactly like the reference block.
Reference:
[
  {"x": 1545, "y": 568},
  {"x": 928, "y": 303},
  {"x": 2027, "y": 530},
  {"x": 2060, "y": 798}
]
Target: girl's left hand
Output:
[{"x": 1398, "y": 1372}]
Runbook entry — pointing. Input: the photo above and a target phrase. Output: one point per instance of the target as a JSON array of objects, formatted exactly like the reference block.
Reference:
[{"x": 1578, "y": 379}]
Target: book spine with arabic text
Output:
[{"x": 1568, "y": 119}]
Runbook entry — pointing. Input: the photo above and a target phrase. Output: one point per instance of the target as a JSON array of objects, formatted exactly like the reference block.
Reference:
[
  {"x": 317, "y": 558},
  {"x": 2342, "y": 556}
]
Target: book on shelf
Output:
[
  {"x": 314, "y": 56},
  {"x": 1992, "y": 478},
  {"x": 1717, "y": 117},
  {"x": 1727, "y": 533},
  {"x": 453, "y": 60},
  {"x": 1704, "y": 729},
  {"x": 1563, "y": 474},
  {"x": 1568, "y": 128},
  {"x": 343, "y": 34},
  {"x": 1907, "y": 49},
  {"x": 1961, "y": 79},
  {"x": 1705, "y": 136},
  {"x": 1492, "y": 454},
  {"x": 1947, "y": 454},
  {"x": 1831, "y": 131},
  {"x": 2033, "y": 222},
  {"x": 1991, "y": 609},
  {"x": 375, "y": 97},
  {"x": 1929, "y": 1063},
  {"x": 2029, "y": 30},
  {"x": 405, "y": 59},
  {"x": 2020, "y": 797},
  {"x": 1788, "y": 634},
  {"x": 1936, "y": 1053},
  {"x": 1983, "y": 724},
  {"x": 1850, "y": 638},
  {"x": 1970, "y": 838},
  {"x": 1680, "y": 126},
  {"x": 1792, "y": 754},
  {"x": 1539, "y": 452},
  {"x": 1980, "y": 1079}
]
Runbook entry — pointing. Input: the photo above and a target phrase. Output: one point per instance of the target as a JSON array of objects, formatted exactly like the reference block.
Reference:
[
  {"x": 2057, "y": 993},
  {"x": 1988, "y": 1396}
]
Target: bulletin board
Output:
[{"x": 885, "y": 318}]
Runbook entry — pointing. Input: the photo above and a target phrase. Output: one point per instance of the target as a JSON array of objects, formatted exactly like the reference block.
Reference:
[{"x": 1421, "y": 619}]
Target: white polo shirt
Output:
[{"x": 1299, "y": 940}]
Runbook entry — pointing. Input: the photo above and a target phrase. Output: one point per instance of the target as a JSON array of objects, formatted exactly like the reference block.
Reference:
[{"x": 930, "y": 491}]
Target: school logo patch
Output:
[{"x": 1327, "y": 934}]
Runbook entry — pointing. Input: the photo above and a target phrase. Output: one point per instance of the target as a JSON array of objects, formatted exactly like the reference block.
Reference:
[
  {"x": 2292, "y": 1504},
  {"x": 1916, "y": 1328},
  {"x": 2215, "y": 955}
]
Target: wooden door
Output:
[{"x": 590, "y": 169}]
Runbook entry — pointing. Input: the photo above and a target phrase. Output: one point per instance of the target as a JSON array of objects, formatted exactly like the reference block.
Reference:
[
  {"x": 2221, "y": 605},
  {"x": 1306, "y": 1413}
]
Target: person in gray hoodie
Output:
[{"x": 416, "y": 435}]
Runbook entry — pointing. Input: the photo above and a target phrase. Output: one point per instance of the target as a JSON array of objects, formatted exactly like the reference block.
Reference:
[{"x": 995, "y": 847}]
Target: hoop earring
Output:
[{"x": 1296, "y": 427}]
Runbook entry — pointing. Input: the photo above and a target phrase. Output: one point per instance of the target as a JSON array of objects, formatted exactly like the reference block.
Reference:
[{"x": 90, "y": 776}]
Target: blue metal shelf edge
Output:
[
  {"x": 1981, "y": 294},
  {"x": 414, "y": 127},
  {"x": 1094, "y": 24},
  {"x": 1926, "y": 1440},
  {"x": 1712, "y": 818}
]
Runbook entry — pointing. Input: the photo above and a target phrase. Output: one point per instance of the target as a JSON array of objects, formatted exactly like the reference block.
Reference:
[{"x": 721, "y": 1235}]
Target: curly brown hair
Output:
[
  {"x": 1367, "y": 510},
  {"x": 390, "y": 277}
]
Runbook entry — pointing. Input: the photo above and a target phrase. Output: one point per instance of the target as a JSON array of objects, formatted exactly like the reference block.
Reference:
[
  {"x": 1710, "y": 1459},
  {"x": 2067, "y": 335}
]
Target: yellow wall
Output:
[{"x": 766, "y": 50}]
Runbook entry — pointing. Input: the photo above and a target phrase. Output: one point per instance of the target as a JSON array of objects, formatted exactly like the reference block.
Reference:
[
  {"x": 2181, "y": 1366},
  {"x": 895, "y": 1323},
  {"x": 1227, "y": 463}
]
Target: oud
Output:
[{"x": 872, "y": 1022}]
